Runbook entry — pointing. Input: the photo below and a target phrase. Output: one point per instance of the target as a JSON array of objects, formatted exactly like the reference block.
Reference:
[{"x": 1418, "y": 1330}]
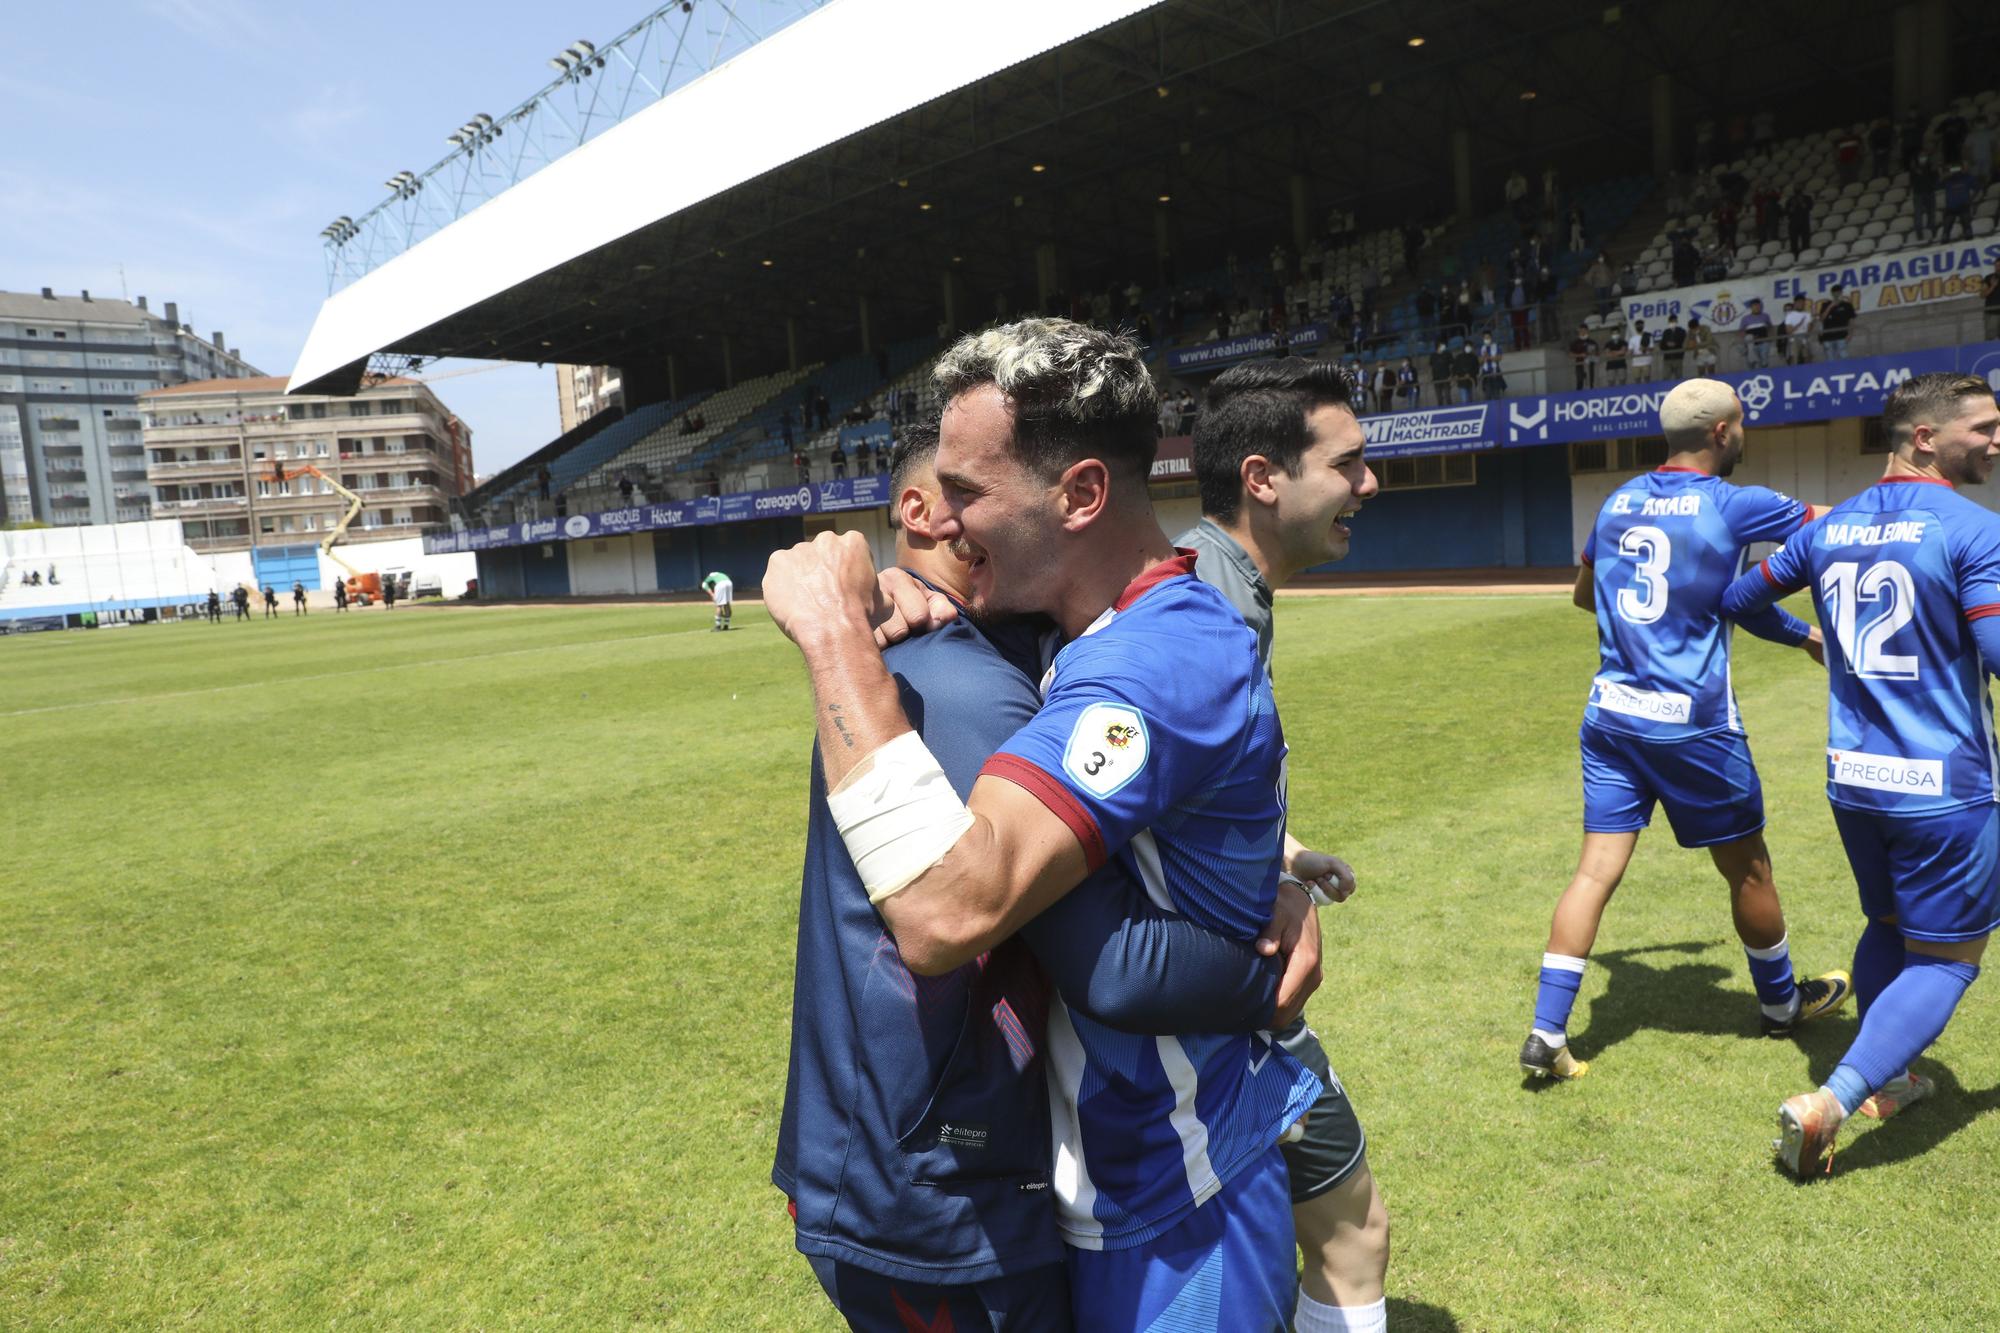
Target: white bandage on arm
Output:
[{"x": 898, "y": 815}]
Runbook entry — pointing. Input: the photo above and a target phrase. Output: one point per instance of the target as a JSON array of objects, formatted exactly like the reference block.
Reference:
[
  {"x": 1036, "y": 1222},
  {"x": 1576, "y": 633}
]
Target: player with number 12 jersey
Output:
[
  {"x": 1906, "y": 578},
  {"x": 1661, "y": 726}
]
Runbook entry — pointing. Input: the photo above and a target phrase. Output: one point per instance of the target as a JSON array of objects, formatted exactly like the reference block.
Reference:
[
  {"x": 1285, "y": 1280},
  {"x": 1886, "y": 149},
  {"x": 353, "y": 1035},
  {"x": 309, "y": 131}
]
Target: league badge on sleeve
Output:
[{"x": 1107, "y": 748}]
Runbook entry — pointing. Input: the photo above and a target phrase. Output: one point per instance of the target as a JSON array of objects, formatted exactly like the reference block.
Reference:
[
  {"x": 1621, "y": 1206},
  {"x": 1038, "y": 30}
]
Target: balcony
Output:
[
  {"x": 190, "y": 464},
  {"x": 214, "y": 504},
  {"x": 70, "y": 501}
]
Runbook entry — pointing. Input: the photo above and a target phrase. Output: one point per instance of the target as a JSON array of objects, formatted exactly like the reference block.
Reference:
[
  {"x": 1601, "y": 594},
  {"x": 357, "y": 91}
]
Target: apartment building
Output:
[
  {"x": 71, "y": 372},
  {"x": 245, "y": 467}
]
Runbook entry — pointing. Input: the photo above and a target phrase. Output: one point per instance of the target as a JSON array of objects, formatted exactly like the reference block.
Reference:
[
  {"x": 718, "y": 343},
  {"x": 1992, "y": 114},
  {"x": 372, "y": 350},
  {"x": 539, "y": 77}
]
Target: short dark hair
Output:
[
  {"x": 1259, "y": 407},
  {"x": 910, "y": 454},
  {"x": 1929, "y": 400}
]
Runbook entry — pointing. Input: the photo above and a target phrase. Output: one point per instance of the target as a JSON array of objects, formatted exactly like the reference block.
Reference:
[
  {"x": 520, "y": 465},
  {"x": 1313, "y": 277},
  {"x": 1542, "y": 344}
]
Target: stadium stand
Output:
[
  {"x": 106, "y": 568},
  {"x": 1860, "y": 218}
]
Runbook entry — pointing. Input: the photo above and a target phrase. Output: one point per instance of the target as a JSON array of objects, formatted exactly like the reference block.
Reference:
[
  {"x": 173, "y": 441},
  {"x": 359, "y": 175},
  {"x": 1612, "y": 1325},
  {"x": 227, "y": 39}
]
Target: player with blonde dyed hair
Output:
[{"x": 1661, "y": 725}]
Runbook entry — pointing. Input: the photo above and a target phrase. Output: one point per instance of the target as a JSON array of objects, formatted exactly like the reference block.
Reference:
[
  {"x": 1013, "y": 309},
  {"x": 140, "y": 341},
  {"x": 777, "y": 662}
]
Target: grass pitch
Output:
[{"x": 431, "y": 969}]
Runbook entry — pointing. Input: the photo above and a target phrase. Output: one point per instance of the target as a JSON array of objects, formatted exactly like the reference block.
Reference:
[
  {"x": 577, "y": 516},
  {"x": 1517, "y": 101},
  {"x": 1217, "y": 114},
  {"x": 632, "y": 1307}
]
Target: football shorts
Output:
[{"x": 1708, "y": 785}]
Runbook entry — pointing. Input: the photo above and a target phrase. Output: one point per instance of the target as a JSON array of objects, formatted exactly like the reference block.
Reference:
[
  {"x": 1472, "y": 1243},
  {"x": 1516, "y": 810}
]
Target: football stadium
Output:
[{"x": 1019, "y": 760}]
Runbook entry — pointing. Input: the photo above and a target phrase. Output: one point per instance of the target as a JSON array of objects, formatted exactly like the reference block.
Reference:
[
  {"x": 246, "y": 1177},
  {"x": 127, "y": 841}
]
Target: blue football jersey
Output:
[
  {"x": 1899, "y": 573},
  {"x": 1664, "y": 548},
  {"x": 1158, "y": 744}
]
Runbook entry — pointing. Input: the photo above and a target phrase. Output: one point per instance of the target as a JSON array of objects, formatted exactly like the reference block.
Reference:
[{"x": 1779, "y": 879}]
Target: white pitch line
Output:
[{"x": 357, "y": 671}]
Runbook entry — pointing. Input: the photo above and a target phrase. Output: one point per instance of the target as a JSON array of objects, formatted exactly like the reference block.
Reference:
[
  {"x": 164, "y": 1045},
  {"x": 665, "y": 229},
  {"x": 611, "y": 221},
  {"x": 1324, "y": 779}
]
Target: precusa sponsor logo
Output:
[
  {"x": 1654, "y": 705},
  {"x": 1885, "y": 772}
]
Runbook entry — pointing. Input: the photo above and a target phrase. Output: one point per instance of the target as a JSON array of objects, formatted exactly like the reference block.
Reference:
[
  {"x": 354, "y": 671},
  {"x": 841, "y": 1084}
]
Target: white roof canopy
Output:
[{"x": 839, "y": 70}]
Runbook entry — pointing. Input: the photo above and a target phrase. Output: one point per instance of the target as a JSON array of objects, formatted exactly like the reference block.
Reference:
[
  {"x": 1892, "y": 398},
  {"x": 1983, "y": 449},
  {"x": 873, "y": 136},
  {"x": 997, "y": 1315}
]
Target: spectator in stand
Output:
[
  {"x": 1686, "y": 258},
  {"x": 1406, "y": 382},
  {"x": 1755, "y": 326},
  {"x": 864, "y": 456},
  {"x": 1492, "y": 383},
  {"x": 1614, "y": 356},
  {"x": 1517, "y": 194},
  {"x": 714, "y": 483},
  {"x": 1763, "y": 129},
  {"x": 1798, "y": 220},
  {"x": 1978, "y": 156},
  {"x": 1881, "y": 147},
  {"x": 1835, "y": 322},
  {"x": 1911, "y": 136},
  {"x": 1628, "y": 280},
  {"x": 1599, "y": 278},
  {"x": 1517, "y": 314},
  {"x": 1673, "y": 347},
  {"x": 1465, "y": 369},
  {"x": 1426, "y": 311},
  {"x": 1952, "y": 130},
  {"x": 1281, "y": 262},
  {"x": 1796, "y": 340},
  {"x": 1441, "y": 365},
  {"x": 1545, "y": 293},
  {"x": 1583, "y": 356},
  {"x": 1576, "y": 236},
  {"x": 1989, "y": 291},
  {"x": 1639, "y": 352},
  {"x": 542, "y": 481},
  {"x": 1701, "y": 343},
  {"x": 1726, "y": 218},
  {"x": 838, "y": 458},
  {"x": 625, "y": 492},
  {"x": 1466, "y": 308},
  {"x": 801, "y": 466},
  {"x": 1959, "y": 192},
  {"x": 1358, "y": 382},
  {"x": 1715, "y": 268},
  {"x": 1923, "y": 194},
  {"x": 1385, "y": 387},
  {"x": 1847, "y": 157},
  {"x": 1766, "y": 204}
]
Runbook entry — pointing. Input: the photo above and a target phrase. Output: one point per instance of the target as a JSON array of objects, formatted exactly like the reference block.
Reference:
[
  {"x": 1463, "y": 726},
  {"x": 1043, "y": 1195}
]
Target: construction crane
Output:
[{"x": 356, "y": 579}]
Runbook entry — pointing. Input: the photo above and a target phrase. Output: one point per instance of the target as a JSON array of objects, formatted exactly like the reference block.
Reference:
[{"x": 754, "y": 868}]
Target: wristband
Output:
[{"x": 898, "y": 815}]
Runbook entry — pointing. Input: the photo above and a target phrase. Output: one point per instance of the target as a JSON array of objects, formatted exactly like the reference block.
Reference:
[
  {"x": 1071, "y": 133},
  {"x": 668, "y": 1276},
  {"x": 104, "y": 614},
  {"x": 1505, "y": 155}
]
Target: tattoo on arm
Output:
[{"x": 840, "y": 725}]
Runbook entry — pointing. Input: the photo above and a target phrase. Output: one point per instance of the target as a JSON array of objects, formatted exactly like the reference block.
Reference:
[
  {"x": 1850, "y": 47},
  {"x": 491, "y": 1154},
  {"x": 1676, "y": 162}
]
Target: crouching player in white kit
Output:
[
  {"x": 718, "y": 586},
  {"x": 1661, "y": 725},
  {"x": 1906, "y": 576}
]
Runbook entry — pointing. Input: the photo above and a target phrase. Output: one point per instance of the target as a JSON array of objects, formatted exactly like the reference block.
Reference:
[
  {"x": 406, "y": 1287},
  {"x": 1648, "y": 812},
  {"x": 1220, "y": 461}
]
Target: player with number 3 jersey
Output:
[
  {"x": 1906, "y": 576},
  {"x": 1661, "y": 726}
]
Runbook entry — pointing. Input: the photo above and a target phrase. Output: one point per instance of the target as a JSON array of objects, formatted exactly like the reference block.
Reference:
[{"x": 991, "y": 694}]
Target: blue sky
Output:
[{"x": 203, "y": 144}]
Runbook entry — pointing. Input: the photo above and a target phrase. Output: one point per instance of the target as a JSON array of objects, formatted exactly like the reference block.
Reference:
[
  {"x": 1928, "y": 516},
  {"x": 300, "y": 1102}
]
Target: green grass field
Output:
[{"x": 433, "y": 970}]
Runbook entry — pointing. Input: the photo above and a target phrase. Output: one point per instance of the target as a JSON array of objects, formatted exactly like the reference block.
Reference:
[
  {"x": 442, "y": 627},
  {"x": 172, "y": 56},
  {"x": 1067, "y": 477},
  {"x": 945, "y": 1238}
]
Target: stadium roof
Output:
[
  {"x": 887, "y": 150},
  {"x": 256, "y": 384}
]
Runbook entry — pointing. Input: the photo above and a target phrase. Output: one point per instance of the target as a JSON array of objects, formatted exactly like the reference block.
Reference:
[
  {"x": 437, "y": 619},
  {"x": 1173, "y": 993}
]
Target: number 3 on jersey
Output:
[
  {"x": 1646, "y": 601},
  {"x": 1842, "y": 588}
]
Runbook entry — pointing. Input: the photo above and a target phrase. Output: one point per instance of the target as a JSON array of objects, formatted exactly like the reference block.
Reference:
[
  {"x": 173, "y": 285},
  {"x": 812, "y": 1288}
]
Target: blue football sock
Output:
[
  {"x": 1562, "y": 978},
  {"x": 1771, "y": 974},
  {"x": 1907, "y": 1017},
  {"x": 1878, "y": 960}
]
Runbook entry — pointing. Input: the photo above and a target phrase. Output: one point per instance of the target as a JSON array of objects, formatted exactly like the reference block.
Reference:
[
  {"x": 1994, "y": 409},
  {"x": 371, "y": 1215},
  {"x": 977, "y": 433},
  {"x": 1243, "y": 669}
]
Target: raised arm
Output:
[{"x": 952, "y": 879}]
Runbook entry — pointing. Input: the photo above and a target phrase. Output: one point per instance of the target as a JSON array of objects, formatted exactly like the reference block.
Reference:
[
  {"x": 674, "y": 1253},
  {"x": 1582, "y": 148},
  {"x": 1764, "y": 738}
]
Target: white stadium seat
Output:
[
  {"x": 1838, "y": 250},
  {"x": 1872, "y": 230}
]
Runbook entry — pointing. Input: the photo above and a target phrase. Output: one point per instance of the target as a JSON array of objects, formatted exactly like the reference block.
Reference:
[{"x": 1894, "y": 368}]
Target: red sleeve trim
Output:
[
  {"x": 1981, "y": 612},
  {"x": 1806, "y": 520},
  {"x": 1764, "y": 568},
  {"x": 1586, "y": 561},
  {"x": 1059, "y": 799}
]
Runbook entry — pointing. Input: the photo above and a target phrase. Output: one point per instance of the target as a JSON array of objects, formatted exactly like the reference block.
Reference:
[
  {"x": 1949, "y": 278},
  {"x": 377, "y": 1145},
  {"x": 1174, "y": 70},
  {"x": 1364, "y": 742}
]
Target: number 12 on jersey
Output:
[{"x": 1864, "y": 648}]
